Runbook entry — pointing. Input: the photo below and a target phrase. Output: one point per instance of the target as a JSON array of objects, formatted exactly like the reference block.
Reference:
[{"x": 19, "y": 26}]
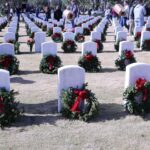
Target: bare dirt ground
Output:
[{"x": 42, "y": 128}]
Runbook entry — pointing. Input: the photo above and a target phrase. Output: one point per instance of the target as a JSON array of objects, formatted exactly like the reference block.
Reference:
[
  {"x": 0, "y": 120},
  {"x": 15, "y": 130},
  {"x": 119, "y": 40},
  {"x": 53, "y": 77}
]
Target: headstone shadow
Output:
[{"x": 21, "y": 80}]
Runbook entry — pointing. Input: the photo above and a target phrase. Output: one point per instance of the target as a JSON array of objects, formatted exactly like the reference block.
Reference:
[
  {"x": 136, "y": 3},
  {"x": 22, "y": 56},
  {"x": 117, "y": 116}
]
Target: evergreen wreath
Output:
[
  {"x": 86, "y": 31},
  {"x": 16, "y": 45},
  {"x": 79, "y": 37},
  {"x": 146, "y": 45},
  {"x": 44, "y": 28},
  {"x": 30, "y": 43},
  {"x": 50, "y": 31},
  {"x": 69, "y": 46},
  {"x": 137, "y": 36},
  {"x": 9, "y": 111},
  {"x": 90, "y": 63},
  {"x": 50, "y": 64},
  {"x": 57, "y": 37},
  {"x": 99, "y": 45},
  {"x": 10, "y": 63},
  {"x": 137, "y": 97},
  {"x": 79, "y": 103},
  {"x": 125, "y": 59}
]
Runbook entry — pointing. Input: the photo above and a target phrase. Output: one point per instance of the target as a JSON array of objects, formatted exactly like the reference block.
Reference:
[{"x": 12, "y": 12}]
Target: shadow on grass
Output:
[
  {"x": 76, "y": 52},
  {"x": 37, "y": 114},
  {"x": 110, "y": 111},
  {"x": 109, "y": 51},
  {"x": 108, "y": 70},
  {"x": 26, "y": 72},
  {"x": 21, "y": 80}
]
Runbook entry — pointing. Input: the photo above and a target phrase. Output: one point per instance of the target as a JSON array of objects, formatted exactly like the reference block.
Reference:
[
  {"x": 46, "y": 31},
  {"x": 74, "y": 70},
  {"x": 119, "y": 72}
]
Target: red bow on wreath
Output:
[
  {"x": 1, "y": 105},
  {"x": 138, "y": 34},
  {"x": 50, "y": 61},
  {"x": 82, "y": 95},
  {"x": 128, "y": 54},
  {"x": 89, "y": 57},
  {"x": 140, "y": 87}
]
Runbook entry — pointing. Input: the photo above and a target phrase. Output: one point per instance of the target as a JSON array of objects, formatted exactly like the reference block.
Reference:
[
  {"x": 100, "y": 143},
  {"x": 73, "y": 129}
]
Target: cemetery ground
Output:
[{"x": 42, "y": 128}]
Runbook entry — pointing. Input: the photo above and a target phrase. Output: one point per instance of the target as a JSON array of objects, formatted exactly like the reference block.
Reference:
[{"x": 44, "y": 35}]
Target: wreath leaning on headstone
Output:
[
  {"x": 50, "y": 64},
  {"x": 79, "y": 103},
  {"x": 79, "y": 37},
  {"x": 10, "y": 63},
  {"x": 146, "y": 45},
  {"x": 57, "y": 37},
  {"x": 126, "y": 58},
  {"x": 137, "y": 98},
  {"x": 9, "y": 111},
  {"x": 90, "y": 63},
  {"x": 69, "y": 46}
]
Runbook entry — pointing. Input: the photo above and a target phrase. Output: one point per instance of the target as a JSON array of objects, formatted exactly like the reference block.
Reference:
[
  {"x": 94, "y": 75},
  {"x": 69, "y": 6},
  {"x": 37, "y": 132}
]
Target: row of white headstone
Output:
[
  {"x": 74, "y": 76},
  {"x": 3, "y": 20},
  {"x": 12, "y": 30},
  {"x": 122, "y": 35},
  {"x": 41, "y": 36}
]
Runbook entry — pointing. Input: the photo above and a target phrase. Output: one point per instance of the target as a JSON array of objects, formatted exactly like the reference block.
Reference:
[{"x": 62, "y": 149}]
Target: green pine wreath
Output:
[
  {"x": 57, "y": 37},
  {"x": 137, "y": 98},
  {"x": 79, "y": 103},
  {"x": 146, "y": 45},
  {"x": 79, "y": 38},
  {"x": 99, "y": 45},
  {"x": 10, "y": 63},
  {"x": 86, "y": 31},
  {"x": 125, "y": 59},
  {"x": 9, "y": 111},
  {"x": 90, "y": 63},
  {"x": 50, "y": 31},
  {"x": 50, "y": 64},
  {"x": 69, "y": 46}
]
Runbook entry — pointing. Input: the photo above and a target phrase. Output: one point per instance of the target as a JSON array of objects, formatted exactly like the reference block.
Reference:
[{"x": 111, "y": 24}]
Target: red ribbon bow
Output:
[
  {"x": 89, "y": 57},
  {"x": 1, "y": 105},
  {"x": 140, "y": 87},
  {"x": 50, "y": 61},
  {"x": 82, "y": 95},
  {"x": 128, "y": 54}
]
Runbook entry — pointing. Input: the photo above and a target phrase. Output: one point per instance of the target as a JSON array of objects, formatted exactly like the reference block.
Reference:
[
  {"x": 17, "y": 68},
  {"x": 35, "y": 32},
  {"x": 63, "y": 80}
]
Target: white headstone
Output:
[
  {"x": 57, "y": 30},
  {"x": 49, "y": 48},
  {"x": 68, "y": 36},
  {"x": 137, "y": 29},
  {"x": 121, "y": 35},
  {"x": 117, "y": 29},
  {"x": 85, "y": 25},
  {"x": 9, "y": 36},
  {"x": 78, "y": 30},
  {"x": 35, "y": 29},
  {"x": 145, "y": 36},
  {"x": 69, "y": 76},
  {"x": 4, "y": 79},
  {"x": 12, "y": 29},
  {"x": 135, "y": 71},
  {"x": 125, "y": 45},
  {"x": 39, "y": 39},
  {"x": 7, "y": 49},
  {"x": 95, "y": 36},
  {"x": 89, "y": 47}
]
